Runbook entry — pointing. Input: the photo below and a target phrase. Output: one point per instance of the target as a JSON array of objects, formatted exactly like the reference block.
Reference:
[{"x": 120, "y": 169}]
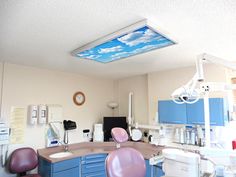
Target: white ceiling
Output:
[{"x": 42, "y": 33}]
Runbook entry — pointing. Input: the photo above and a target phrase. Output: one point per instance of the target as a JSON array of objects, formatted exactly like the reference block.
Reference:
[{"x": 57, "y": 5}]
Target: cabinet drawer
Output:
[
  {"x": 65, "y": 164},
  {"x": 73, "y": 172},
  {"x": 95, "y": 174},
  {"x": 93, "y": 158},
  {"x": 93, "y": 167}
]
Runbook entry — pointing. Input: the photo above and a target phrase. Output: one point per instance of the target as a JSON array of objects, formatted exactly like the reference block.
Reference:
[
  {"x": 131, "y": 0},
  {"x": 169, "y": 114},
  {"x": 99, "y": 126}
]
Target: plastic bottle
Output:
[
  {"x": 181, "y": 136},
  {"x": 193, "y": 137}
]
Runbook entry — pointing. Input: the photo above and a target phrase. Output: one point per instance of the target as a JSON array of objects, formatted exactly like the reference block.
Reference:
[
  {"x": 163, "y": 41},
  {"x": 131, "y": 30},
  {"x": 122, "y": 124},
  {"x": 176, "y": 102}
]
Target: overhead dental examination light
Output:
[{"x": 197, "y": 88}]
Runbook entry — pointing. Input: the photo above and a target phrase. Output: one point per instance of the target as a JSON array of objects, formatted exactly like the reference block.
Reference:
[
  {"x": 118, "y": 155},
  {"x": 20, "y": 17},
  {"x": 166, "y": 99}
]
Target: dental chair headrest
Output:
[{"x": 119, "y": 135}]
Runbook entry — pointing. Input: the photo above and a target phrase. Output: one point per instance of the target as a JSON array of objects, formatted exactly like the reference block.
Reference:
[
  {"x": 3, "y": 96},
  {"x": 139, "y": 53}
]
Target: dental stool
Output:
[
  {"x": 124, "y": 161},
  {"x": 23, "y": 160}
]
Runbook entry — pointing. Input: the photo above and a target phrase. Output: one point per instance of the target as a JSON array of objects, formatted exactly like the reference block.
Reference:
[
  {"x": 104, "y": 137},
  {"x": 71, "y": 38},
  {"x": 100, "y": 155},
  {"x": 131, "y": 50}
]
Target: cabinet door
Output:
[
  {"x": 195, "y": 113},
  {"x": 157, "y": 170},
  {"x": 73, "y": 172},
  {"x": 148, "y": 169},
  {"x": 170, "y": 112},
  {"x": 217, "y": 108},
  {"x": 218, "y": 111}
]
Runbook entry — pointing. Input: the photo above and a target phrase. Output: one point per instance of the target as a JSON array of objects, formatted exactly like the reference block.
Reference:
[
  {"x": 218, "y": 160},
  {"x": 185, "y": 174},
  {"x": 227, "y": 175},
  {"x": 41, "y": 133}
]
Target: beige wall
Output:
[
  {"x": 150, "y": 88},
  {"x": 27, "y": 85},
  {"x": 162, "y": 84},
  {"x": 137, "y": 85}
]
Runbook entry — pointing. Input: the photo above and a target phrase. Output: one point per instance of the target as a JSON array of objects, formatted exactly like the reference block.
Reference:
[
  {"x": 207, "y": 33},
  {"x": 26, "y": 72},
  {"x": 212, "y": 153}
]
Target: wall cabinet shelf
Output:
[{"x": 172, "y": 113}]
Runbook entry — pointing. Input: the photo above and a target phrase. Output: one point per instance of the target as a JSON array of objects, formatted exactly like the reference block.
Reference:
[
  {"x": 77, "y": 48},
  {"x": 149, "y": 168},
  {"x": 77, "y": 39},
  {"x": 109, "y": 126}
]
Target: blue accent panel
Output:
[
  {"x": 66, "y": 164},
  {"x": 73, "y": 172},
  {"x": 170, "y": 112}
]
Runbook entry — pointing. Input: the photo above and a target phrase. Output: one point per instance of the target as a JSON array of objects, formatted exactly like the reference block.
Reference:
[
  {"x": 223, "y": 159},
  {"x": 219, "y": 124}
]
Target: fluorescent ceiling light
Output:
[{"x": 135, "y": 39}]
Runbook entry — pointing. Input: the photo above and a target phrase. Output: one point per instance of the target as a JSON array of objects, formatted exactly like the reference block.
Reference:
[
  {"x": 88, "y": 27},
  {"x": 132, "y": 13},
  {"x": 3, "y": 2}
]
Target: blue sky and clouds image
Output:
[{"x": 136, "y": 42}]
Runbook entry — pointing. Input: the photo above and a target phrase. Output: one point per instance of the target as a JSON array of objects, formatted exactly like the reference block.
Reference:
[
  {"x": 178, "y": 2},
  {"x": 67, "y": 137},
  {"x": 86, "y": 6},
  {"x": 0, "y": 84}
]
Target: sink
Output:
[{"x": 60, "y": 155}]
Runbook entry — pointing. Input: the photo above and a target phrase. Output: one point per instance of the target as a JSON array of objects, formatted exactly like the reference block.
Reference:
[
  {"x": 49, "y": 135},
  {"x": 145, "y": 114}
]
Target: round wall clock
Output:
[{"x": 79, "y": 98}]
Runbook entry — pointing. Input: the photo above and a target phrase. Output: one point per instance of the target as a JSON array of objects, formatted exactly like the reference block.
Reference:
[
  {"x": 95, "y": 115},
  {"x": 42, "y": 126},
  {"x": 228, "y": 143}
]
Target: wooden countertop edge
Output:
[{"x": 88, "y": 148}]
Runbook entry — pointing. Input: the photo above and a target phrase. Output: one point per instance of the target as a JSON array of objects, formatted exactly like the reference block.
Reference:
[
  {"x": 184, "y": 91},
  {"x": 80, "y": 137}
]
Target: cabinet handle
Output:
[
  {"x": 198, "y": 122},
  {"x": 177, "y": 121}
]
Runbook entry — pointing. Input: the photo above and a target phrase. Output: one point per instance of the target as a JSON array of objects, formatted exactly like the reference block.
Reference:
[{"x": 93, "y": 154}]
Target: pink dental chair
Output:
[
  {"x": 124, "y": 161},
  {"x": 23, "y": 160}
]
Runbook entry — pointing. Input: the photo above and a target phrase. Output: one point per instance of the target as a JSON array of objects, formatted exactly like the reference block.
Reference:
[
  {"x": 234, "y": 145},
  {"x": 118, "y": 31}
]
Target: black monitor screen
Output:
[{"x": 111, "y": 122}]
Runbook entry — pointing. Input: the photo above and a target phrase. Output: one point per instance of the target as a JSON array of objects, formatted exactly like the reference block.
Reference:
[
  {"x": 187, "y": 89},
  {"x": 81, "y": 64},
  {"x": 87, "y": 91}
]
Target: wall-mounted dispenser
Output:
[
  {"x": 4, "y": 134},
  {"x": 55, "y": 113},
  {"x": 42, "y": 112},
  {"x": 32, "y": 114}
]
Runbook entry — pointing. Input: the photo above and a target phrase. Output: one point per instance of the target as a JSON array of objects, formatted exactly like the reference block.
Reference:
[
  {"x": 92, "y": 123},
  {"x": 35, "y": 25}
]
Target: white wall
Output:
[{"x": 27, "y": 85}]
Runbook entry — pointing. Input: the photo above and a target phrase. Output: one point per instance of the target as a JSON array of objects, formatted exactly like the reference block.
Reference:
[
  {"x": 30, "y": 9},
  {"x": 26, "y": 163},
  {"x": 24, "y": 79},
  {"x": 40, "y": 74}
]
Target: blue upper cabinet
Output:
[
  {"x": 195, "y": 112},
  {"x": 218, "y": 112},
  {"x": 172, "y": 113}
]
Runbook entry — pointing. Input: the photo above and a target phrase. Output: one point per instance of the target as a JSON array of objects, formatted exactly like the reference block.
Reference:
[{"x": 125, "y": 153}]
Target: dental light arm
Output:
[{"x": 189, "y": 93}]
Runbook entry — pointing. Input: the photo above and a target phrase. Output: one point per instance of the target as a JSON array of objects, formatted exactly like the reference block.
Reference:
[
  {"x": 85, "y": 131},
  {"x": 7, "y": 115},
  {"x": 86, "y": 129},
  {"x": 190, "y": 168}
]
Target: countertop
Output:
[{"x": 87, "y": 148}]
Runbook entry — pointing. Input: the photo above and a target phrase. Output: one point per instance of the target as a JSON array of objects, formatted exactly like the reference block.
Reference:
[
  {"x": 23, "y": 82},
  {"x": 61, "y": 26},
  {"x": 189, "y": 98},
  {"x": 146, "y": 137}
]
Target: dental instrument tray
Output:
[{"x": 69, "y": 125}]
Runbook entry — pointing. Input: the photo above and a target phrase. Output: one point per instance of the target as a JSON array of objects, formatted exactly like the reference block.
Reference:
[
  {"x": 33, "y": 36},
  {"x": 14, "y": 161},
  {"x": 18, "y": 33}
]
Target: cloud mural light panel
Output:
[{"x": 132, "y": 40}]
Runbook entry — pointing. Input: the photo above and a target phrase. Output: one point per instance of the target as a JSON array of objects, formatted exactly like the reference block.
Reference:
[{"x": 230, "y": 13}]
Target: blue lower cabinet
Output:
[
  {"x": 157, "y": 170},
  {"x": 73, "y": 172},
  {"x": 86, "y": 166},
  {"x": 153, "y": 170},
  {"x": 93, "y": 165},
  {"x": 148, "y": 169},
  {"x": 65, "y": 168}
]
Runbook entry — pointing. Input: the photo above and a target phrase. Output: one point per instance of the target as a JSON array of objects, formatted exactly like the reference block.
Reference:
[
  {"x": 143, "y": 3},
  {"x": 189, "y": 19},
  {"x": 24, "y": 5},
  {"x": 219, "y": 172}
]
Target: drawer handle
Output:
[
  {"x": 93, "y": 161},
  {"x": 94, "y": 156},
  {"x": 95, "y": 175},
  {"x": 93, "y": 166}
]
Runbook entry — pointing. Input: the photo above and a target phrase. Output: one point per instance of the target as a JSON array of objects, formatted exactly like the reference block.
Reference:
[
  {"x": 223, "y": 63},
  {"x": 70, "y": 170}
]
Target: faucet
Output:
[{"x": 66, "y": 140}]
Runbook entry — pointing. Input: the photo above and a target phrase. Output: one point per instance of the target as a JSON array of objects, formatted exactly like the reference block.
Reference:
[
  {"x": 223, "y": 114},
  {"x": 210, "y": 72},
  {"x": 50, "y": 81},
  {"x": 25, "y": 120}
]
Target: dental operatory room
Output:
[{"x": 118, "y": 88}]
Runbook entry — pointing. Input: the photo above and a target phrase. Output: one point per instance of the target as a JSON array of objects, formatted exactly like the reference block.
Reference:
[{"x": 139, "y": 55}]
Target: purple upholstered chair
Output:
[
  {"x": 125, "y": 161},
  {"x": 23, "y": 160}
]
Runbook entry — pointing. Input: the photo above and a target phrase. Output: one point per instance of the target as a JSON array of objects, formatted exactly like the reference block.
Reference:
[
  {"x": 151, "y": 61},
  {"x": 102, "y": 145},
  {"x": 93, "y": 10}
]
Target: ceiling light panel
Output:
[{"x": 135, "y": 39}]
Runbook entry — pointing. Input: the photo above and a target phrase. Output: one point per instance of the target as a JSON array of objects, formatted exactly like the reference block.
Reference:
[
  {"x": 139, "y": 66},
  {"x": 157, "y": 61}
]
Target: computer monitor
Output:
[{"x": 111, "y": 122}]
